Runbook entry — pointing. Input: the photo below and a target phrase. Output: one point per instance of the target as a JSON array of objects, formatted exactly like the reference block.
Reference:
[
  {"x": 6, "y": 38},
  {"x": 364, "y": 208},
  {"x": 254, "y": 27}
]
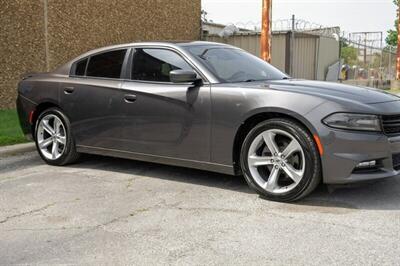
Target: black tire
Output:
[
  {"x": 69, "y": 155},
  {"x": 312, "y": 173}
]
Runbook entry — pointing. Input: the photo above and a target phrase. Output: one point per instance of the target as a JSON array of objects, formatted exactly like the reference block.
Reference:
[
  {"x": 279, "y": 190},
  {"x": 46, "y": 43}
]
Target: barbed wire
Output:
[{"x": 305, "y": 26}]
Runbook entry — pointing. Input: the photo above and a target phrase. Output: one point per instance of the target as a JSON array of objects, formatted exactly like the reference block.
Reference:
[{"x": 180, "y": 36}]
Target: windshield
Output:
[{"x": 234, "y": 65}]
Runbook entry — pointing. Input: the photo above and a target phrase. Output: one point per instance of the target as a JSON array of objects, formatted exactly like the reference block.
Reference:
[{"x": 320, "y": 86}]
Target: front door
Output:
[{"x": 158, "y": 117}]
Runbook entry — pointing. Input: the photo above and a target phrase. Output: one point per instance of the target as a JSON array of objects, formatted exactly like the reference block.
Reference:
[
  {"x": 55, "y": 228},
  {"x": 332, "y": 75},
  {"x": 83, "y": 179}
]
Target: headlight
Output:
[{"x": 353, "y": 121}]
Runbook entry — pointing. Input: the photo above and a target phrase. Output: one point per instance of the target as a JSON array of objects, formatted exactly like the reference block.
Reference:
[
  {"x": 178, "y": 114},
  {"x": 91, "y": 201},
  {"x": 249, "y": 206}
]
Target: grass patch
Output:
[{"x": 10, "y": 131}]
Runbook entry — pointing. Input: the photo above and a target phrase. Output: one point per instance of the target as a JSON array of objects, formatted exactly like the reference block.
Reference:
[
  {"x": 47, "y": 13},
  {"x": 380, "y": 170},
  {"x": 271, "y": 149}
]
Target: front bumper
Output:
[{"x": 344, "y": 150}]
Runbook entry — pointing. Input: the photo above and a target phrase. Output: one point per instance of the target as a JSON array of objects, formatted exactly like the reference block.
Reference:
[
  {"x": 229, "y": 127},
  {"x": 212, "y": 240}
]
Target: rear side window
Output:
[
  {"x": 106, "y": 65},
  {"x": 155, "y": 64},
  {"x": 81, "y": 67}
]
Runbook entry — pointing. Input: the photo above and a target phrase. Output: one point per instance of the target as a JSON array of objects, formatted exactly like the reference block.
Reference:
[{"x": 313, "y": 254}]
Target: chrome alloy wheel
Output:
[
  {"x": 51, "y": 137},
  {"x": 276, "y": 161}
]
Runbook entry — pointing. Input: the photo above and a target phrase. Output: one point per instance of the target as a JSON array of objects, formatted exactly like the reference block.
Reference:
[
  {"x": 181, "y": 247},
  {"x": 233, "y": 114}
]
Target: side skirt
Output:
[{"x": 212, "y": 167}]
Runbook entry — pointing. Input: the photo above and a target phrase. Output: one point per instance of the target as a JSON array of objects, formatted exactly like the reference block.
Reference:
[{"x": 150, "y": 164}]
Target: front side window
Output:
[
  {"x": 106, "y": 65},
  {"x": 235, "y": 65},
  {"x": 156, "y": 64}
]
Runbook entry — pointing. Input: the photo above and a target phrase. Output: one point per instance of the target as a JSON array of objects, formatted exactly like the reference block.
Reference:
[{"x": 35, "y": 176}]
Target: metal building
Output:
[{"x": 312, "y": 54}]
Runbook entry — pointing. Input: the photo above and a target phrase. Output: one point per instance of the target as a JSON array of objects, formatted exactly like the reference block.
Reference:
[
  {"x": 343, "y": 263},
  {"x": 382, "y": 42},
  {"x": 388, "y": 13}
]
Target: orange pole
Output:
[
  {"x": 266, "y": 30},
  {"x": 398, "y": 44}
]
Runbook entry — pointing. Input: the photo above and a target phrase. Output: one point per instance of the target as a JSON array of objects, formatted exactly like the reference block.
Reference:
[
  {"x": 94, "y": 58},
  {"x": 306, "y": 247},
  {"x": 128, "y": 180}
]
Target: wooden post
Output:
[{"x": 266, "y": 30}]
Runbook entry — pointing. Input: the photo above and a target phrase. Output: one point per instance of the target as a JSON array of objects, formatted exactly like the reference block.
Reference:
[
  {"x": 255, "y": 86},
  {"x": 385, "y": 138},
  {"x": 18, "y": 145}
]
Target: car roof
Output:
[
  {"x": 64, "y": 69},
  {"x": 158, "y": 43}
]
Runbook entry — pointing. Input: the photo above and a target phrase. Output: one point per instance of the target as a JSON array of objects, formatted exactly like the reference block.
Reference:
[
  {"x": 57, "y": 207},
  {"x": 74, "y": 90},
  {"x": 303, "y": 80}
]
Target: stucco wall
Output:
[{"x": 38, "y": 35}]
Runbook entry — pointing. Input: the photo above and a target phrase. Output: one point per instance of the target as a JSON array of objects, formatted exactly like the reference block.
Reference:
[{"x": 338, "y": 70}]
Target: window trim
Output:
[
  {"x": 127, "y": 65},
  {"x": 180, "y": 54},
  {"x": 72, "y": 72}
]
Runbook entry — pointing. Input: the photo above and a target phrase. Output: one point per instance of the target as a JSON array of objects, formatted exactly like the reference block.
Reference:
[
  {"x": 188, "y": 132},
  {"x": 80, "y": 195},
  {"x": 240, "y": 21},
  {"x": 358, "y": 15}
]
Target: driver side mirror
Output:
[{"x": 183, "y": 76}]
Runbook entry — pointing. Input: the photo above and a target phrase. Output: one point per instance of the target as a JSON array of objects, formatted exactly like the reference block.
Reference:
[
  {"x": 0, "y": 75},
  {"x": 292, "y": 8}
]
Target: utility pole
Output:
[
  {"x": 398, "y": 44},
  {"x": 266, "y": 30}
]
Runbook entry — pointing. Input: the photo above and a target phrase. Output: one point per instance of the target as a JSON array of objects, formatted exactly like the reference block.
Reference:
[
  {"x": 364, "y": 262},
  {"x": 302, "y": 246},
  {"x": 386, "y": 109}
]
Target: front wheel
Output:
[
  {"x": 53, "y": 138},
  {"x": 280, "y": 160}
]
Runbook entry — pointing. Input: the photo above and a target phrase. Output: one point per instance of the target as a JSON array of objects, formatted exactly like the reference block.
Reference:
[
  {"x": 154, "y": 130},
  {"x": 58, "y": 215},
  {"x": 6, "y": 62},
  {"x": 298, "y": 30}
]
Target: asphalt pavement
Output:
[{"x": 113, "y": 211}]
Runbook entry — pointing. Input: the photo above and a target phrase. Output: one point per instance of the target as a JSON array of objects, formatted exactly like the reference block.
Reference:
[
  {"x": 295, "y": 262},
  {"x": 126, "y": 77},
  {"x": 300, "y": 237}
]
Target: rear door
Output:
[
  {"x": 162, "y": 118},
  {"x": 90, "y": 95}
]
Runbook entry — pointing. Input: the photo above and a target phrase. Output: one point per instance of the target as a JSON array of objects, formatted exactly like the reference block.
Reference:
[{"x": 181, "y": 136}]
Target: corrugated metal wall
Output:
[
  {"x": 278, "y": 52},
  {"x": 251, "y": 43},
  {"x": 304, "y": 57},
  {"x": 312, "y": 54}
]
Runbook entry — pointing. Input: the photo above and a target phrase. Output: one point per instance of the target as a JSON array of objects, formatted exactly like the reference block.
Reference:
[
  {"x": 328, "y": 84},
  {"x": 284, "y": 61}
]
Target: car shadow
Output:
[
  {"x": 165, "y": 172},
  {"x": 379, "y": 195}
]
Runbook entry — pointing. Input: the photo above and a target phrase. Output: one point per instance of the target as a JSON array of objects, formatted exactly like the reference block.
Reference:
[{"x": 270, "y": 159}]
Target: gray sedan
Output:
[{"x": 213, "y": 107}]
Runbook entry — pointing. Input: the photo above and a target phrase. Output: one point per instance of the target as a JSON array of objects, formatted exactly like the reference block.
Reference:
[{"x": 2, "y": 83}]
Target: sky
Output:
[{"x": 350, "y": 15}]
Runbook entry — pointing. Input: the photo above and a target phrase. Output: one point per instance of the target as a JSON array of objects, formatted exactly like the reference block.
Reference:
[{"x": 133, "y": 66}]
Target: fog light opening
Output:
[
  {"x": 368, "y": 167},
  {"x": 367, "y": 164}
]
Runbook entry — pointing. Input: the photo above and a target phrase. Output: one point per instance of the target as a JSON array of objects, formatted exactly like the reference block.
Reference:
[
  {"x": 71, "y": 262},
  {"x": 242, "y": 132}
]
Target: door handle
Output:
[
  {"x": 130, "y": 98},
  {"x": 69, "y": 90}
]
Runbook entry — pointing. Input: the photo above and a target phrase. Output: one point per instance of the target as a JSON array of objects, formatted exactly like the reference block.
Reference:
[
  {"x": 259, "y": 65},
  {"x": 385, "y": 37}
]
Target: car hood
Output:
[{"x": 332, "y": 90}]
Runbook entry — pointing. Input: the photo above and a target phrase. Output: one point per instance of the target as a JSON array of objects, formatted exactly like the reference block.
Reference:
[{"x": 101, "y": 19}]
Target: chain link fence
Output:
[{"x": 367, "y": 62}]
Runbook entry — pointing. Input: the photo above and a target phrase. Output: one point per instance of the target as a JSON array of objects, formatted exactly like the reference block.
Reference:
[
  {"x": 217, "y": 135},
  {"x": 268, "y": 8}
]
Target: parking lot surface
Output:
[{"x": 114, "y": 211}]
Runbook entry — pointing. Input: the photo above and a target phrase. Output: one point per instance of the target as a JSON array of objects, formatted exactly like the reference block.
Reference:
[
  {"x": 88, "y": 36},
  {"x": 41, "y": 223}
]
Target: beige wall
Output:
[
  {"x": 328, "y": 54},
  {"x": 38, "y": 35}
]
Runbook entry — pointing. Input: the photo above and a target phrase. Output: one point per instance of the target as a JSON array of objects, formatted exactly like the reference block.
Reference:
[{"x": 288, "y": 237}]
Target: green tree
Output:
[
  {"x": 391, "y": 39},
  {"x": 349, "y": 54}
]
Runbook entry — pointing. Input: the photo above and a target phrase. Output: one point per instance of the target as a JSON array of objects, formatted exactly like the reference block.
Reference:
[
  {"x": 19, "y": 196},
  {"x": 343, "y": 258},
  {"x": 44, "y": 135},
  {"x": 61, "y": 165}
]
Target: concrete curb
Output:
[{"x": 12, "y": 150}]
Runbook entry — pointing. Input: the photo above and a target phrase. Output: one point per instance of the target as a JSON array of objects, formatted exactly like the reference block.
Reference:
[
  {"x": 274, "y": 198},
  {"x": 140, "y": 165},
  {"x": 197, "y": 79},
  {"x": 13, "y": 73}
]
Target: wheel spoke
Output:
[
  {"x": 45, "y": 143},
  {"x": 272, "y": 182},
  {"x": 269, "y": 139},
  {"x": 54, "y": 150},
  {"x": 291, "y": 148},
  {"x": 295, "y": 175},
  {"x": 61, "y": 139},
  {"x": 57, "y": 124},
  {"x": 256, "y": 161},
  {"x": 47, "y": 127}
]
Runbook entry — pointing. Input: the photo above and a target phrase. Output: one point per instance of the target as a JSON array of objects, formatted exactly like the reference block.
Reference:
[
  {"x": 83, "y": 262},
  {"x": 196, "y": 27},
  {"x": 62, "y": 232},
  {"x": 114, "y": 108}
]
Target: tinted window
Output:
[
  {"x": 234, "y": 65},
  {"x": 155, "y": 64},
  {"x": 81, "y": 67},
  {"x": 106, "y": 65}
]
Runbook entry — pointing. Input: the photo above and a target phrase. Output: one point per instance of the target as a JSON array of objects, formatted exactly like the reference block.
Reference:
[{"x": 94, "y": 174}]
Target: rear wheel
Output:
[
  {"x": 53, "y": 138},
  {"x": 280, "y": 160}
]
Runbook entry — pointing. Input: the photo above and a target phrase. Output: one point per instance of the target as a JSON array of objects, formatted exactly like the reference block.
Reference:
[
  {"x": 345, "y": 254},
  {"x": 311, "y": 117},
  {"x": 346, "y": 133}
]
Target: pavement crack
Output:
[{"x": 26, "y": 213}]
